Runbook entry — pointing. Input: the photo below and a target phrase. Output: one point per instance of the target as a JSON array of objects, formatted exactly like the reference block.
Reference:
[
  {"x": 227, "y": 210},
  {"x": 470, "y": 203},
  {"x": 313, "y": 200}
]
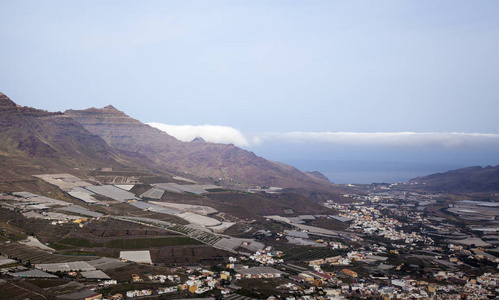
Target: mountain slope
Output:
[
  {"x": 34, "y": 141},
  {"x": 227, "y": 163},
  {"x": 472, "y": 179}
]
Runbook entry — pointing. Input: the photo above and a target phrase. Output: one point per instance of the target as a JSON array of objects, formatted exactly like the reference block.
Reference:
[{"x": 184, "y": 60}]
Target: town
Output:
[
  {"x": 243, "y": 150},
  {"x": 385, "y": 241}
]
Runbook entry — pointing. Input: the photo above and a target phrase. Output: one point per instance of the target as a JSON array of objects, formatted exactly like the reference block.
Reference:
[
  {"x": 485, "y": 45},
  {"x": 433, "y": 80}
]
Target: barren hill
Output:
[
  {"x": 34, "y": 141},
  {"x": 227, "y": 163},
  {"x": 472, "y": 179}
]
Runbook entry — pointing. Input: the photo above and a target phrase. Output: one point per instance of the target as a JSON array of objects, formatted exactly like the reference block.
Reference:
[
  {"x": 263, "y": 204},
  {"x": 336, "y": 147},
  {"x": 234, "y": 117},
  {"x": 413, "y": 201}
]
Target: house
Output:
[{"x": 349, "y": 273}]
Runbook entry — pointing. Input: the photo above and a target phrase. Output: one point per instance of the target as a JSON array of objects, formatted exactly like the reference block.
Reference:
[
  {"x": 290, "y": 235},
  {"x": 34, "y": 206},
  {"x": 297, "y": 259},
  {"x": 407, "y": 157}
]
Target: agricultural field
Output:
[
  {"x": 106, "y": 229},
  {"x": 15, "y": 225},
  {"x": 330, "y": 224},
  {"x": 108, "y": 236},
  {"x": 200, "y": 235},
  {"x": 189, "y": 255},
  {"x": 301, "y": 253},
  {"x": 26, "y": 254},
  {"x": 125, "y": 244},
  {"x": 21, "y": 290},
  {"x": 46, "y": 283},
  {"x": 259, "y": 288}
]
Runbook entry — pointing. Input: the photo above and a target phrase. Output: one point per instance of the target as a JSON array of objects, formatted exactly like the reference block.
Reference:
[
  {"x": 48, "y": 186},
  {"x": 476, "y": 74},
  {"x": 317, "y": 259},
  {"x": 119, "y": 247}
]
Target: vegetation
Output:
[
  {"x": 308, "y": 253},
  {"x": 140, "y": 243},
  {"x": 258, "y": 288},
  {"x": 46, "y": 283},
  {"x": 148, "y": 243},
  {"x": 16, "y": 227}
]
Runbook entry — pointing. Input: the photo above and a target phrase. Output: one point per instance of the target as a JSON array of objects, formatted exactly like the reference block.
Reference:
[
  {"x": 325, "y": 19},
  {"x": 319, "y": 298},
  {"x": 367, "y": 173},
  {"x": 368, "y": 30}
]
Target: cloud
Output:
[
  {"x": 441, "y": 139},
  {"x": 210, "y": 133},
  {"x": 229, "y": 135}
]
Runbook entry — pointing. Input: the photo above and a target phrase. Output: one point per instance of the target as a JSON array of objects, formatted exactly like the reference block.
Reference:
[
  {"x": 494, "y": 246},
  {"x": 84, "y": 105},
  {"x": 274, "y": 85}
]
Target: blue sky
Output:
[{"x": 281, "y": 78}]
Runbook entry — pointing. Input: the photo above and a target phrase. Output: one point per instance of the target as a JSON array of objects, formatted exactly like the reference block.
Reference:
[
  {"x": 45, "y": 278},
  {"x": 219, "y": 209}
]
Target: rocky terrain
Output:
[
  {"x": 225, "y": 163},
  {"x": 471, "y": 179},
  {"x": 34, "y": 141}
]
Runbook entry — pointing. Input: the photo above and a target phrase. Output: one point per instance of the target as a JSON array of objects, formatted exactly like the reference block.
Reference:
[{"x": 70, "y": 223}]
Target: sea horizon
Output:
[{"x": 367, "y": 172}]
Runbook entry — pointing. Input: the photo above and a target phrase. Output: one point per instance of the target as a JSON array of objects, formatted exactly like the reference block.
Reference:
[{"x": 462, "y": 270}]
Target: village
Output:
[{"x": 386, "y": 243}]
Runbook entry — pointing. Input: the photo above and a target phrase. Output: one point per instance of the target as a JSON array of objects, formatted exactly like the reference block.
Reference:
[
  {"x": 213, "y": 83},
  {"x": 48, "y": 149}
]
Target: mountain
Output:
[
  {"x": 34, "y": 141},
  {"x": 471, "y": 179},
  {"x": 227, "y": 164}
]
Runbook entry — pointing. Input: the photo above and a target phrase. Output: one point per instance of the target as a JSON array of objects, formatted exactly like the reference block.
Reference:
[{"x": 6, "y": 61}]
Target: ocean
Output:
[{"x": 366, "y": 172}]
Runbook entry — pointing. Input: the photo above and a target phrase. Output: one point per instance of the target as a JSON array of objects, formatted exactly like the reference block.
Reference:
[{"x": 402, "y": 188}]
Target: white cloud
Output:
[
  {"x": 442, "y": 139},
  {"x": 229, "y": 135},
  {"x": 210, "y": 133}
]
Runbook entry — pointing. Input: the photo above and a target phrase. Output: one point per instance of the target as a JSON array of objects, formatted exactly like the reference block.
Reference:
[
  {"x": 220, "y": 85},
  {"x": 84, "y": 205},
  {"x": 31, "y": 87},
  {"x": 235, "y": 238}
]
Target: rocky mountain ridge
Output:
[
  {"x": 471, "y": 179},
  {"x": 227, "y": 164},
  {"x": 34, "y": 141}
]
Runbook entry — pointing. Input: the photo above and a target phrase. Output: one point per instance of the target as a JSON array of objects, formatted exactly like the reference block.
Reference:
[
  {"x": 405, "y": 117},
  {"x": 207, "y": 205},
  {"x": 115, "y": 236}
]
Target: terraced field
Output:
[
  {"x": 125, "y": 244},
  {"x": 308, "y": 253},
  {"x": 200, "y": 235},
  {"x": 36, "y": 256},
  {"x": 21, "y": 290},
  {"x": 188, "y": 255}
]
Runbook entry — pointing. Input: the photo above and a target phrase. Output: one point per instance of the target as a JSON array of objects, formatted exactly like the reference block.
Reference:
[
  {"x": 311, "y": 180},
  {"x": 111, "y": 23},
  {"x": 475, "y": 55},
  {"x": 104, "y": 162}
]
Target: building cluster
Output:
[
  {"x": 196, "y": 284},
  {"x": 369, "y": 220},
  {"x": 267, "y": 257},
  {"x": 393, "y": 249},
  {"x": 164, "y": 278},
  {"x": 335, "y": 260},
  {"x": 483, "y": 287},
  {"x": 138, "y": 293}
]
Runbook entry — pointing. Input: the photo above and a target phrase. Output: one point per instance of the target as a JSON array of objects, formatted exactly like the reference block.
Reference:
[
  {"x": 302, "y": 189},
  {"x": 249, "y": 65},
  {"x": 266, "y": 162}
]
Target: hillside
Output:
[
  {"x": 227, "y": 164},
  {"x": 472, "y": 179},
  {"x": 34, "y": 141}
]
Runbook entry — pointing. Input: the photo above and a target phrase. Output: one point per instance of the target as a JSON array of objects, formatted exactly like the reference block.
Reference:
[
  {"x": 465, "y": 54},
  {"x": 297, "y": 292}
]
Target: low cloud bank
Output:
[
  {"x": 210, "y": 133},
  {"x": 442, "y": 139},
  {"x": 229, "y": 135}
]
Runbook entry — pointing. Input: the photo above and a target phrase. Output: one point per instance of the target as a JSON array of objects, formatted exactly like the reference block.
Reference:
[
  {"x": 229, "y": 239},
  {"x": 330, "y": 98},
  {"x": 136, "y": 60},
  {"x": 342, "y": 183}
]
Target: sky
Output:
[{"x": 312, "y": 83}]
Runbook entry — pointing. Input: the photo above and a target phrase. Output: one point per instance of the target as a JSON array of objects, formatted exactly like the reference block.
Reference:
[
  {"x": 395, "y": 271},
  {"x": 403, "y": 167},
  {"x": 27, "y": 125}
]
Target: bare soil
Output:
[{"x": 189, "y": 255}]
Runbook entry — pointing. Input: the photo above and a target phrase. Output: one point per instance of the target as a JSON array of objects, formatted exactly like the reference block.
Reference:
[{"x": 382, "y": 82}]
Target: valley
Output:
[
  {"x": 380, "y": 240},
  {"x": 96, "y": 205}
]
